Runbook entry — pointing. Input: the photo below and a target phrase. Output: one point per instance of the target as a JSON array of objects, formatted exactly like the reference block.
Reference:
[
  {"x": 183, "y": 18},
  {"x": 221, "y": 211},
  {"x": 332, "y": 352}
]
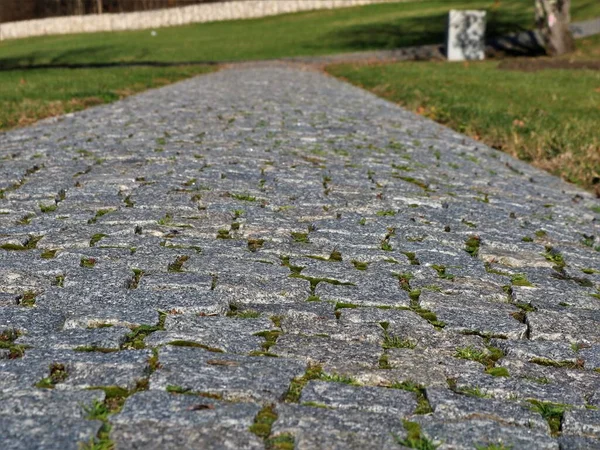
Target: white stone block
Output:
[{"x": 466, "y": 35}]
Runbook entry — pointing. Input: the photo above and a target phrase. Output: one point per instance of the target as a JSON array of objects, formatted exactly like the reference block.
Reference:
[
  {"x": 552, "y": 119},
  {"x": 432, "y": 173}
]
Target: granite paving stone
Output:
[
  {"x": 222, "y": 374},
  {"x": 364, "y": 398},
  {"x": 230, "y": 335},
  {"x": 577, "y": 443},
  {"x": 582, "y": 422},
  {"x": 469, "y": 434},
  {"x": 268, "y": 256},
  {"x": 340, "y": 428},
  {"x": 158, "y": 419},
  {"x": 450, "y": 405}
]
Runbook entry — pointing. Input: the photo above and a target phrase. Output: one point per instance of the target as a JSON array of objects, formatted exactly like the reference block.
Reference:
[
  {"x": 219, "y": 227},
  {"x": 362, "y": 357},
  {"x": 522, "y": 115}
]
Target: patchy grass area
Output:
[
  {"x": 30, "y": 95},
  {"x": 547, "y": 117}
]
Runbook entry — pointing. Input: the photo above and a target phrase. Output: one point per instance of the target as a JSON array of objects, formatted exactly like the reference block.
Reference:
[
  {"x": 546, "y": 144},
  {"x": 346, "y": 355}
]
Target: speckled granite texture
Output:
[{"x": 266, "y": 257}]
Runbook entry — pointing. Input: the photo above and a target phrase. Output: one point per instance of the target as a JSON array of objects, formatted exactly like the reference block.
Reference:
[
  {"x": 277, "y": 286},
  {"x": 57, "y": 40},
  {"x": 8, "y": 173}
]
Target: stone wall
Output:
[{"x": 242, "y": 9}]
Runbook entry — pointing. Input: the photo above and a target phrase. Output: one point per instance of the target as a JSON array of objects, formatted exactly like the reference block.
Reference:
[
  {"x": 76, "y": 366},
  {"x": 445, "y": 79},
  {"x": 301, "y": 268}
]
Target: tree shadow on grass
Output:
[
  {"x": 92, "y": 58},
  {"x": 387, "y": 35},
  {"x": 420, "y": 31}
]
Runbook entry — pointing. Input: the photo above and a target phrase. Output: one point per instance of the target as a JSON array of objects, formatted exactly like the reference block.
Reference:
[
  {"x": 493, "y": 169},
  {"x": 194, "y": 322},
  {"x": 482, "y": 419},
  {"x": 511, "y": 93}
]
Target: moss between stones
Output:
[
  {"x": 487, "y": 357},
  {"x": 397, "y": 342},
  {"x": 30, "y": 244},
  {"x": 177, "y": 265},
  {"x": 423, "y": 406},
  {"x": 264, "y": 421},
  {"x": 255, "y": 244},
  {"x": 135, "y": 339},
  {"x": 498, "y": 372},
  {"x": 58, "y": 374},
  {"x": 314, "y": 372},
  {"x": 49, "y": 254},
  {"x": 472, "y": 245},
  {"x": 27, "y": 299},
  {"x": 415, "y": 438},
  {"x": 301, "y": 238},
  {"x": 96, "y": 238},
  {"x": 552, "y": 412},
  {"x": 87, "y": 262},
  {"x": 181, "y": 343},
  {"x": 7, "y": 339},
  {"x": 115, "y": 397},
  {"x": 284, "y": 441}
]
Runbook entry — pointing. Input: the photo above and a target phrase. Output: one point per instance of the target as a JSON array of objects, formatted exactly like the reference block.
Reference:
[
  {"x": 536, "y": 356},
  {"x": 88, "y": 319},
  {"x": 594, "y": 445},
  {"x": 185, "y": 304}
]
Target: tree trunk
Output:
[
  {"x": 79, "y": 10},
  {"x": 99, "y": 6},
  {"x": 552, "y": 19}
]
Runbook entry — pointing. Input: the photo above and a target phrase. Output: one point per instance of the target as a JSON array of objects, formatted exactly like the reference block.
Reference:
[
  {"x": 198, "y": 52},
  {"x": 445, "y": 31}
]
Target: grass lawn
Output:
[
  {"x": 30, "y": 95},
  {"x": 550, "y": 118}
]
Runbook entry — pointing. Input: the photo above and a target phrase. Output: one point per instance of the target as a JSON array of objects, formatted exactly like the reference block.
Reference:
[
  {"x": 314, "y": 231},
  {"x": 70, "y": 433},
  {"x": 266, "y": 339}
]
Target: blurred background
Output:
[{"x": 13, "y": 10}]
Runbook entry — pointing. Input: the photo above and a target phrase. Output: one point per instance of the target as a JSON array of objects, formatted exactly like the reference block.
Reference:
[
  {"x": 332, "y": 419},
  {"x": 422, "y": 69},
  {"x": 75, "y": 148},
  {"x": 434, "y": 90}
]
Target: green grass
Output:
[
  {"x": 30, "y": 95},
  {"x": 549, "y": 118}
]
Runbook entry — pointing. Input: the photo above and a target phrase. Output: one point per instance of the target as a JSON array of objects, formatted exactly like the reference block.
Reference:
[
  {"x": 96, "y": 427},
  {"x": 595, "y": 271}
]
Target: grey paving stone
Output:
[
  {"x": 92, "y": 369},
  {"x": 578, "y": 443},
  {"x": 401, "y": 318},
  {"x": 158, "y": 407},
  {"x": 493, "y": 319},
  {"x": 441, "y": 341},
  {"x": 34, "y": 403},
  {"x": 472, "y": 433},
  {"x": 342, "y": 440},
  {"x": 582, "y": 422},
  {"x": 555, "y": 297},
  {"x": 563, "y": 326},
  {"x": 130, "y": 307},
  {"x": 47, "y": 432},
  {"x": 556, "y": 352},
  {"x": 450, "y": 406},
  {"x": 383, "y": 292},
  {"x": 332, "y": 354},
  {"x": 166, "y": 281},
  {"x": 226, "y": 334},
  {"x": 591, "y": 356},
  {"x": 155, "y": 419},
  {"x": 429, "y": 368},
  {"x": 234, "y": 377},
  {"x": 245, "y": 291},
  {"x": 585, "y": 383},
  {"x": 372, "y": 399},
  {"x": 21, "y": 374},
  {"x": 30, "y": 320},
  {"x": 109, "y": 338},
  {"x": 319, "y": 427},
  {"x": 311, "y": 324},
  {"x": 509, "y": 388},
  {"x": 172, "y": 437}
]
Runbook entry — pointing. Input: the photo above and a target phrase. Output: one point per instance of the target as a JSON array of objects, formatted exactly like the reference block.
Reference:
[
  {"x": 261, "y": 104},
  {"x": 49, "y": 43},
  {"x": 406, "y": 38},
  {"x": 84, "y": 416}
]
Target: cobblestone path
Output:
[{"x": 270, "y": 258}]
